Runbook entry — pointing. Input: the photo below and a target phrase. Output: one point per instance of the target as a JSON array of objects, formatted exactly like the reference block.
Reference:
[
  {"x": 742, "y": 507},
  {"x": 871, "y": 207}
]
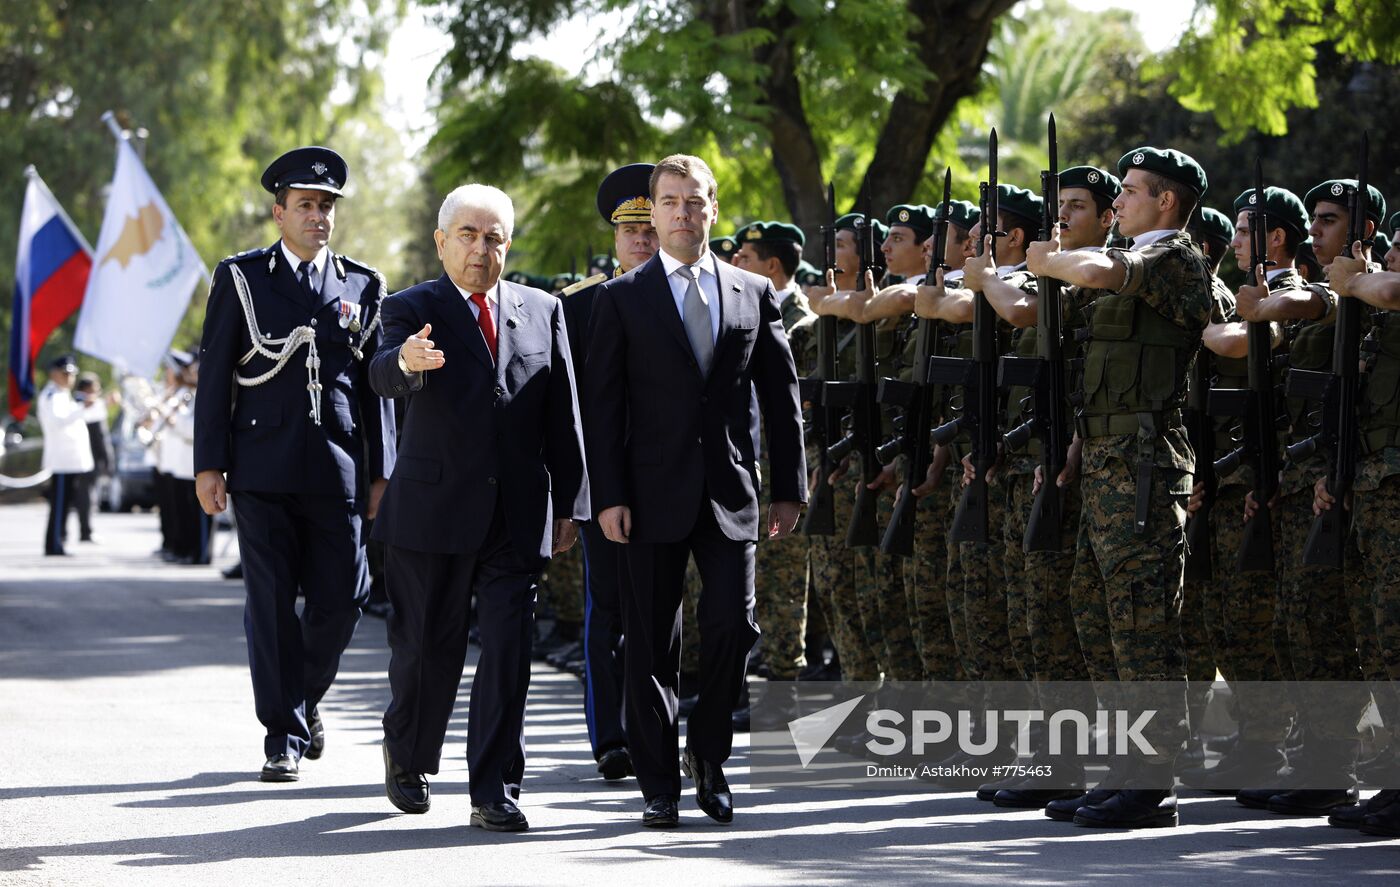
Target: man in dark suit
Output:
[
  {"x": 624, "y": 202},
  {"x": 678, "y": 348},
  {"x": 290, "y": 418},
  {"x": 489, "y": 481}
]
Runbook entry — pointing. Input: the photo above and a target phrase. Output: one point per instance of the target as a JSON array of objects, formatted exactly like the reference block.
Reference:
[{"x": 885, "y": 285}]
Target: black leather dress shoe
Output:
[
  {"x": 1131, "y": 808},
  {"x": 280, "y": 768},
  {"x": 661, "y": 812},
  {"x": 1354, "y": 815},
  {"x": 499, "y": 816},
  {"x": 233, "y": 572},
  {"x": 318, "y": 735},
  {"x": 1064, "y": 810},
  {"x": 711, "y": 788},
  {"x": 615, "y": 764},
  {"x": 407, "y": 791},
  {"x": 1311, "y": 802},
  {"x": 1384, "y": 822}
]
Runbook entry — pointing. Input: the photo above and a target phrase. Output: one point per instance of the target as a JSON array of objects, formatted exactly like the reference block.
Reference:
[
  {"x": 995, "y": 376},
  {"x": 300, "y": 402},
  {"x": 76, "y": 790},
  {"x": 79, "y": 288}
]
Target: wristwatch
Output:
[{"x": 403, "y": 366}]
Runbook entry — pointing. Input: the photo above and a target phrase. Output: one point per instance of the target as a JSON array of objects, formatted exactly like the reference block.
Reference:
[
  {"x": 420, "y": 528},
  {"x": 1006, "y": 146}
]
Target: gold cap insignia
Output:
[
  {"x": 633, "y": 209},
  {"x": 904, "y": 215},
  {"x": 1093, "y": 178},
  {"x": 1138, "y": 158},
  {"x": 753, "y": 234},
  {"x": 1337, "y": 189}
]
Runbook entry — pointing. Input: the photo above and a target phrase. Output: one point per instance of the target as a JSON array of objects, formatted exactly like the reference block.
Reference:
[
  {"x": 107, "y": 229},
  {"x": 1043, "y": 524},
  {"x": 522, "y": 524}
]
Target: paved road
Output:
[{"x": 129, "y": 752}]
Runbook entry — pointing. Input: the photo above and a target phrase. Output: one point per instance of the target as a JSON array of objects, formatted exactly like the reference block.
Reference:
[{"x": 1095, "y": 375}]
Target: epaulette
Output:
[
  {"x": 249, "y": 255},
  {"x": 357, "y": 265},
  {"x": 583, "y": 284}
]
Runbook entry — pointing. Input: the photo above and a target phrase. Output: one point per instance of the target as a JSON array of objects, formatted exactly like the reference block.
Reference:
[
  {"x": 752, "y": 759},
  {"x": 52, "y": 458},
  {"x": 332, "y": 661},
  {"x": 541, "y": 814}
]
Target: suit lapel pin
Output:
[
  {"x": 510, "y": 322},
  {"x": 736, "y": 288},
  {"x": 272, "y": 262}
]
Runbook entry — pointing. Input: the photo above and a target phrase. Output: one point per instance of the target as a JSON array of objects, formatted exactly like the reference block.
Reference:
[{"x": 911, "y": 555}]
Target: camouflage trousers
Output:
[
  {"x": 1198, "y": 644},
  {"x": 780, "y": 606},
  {"x": 1377, "y": 523},
  {"x": 1239, "y": 612},
  {"x": 925, "y": 589},
  {"x": 880, "y": 580},
  {"x": 1045, "y": 617},
  {"x": 1126, "y": 588},
  {"x": 978, "y": 590},
  {"x": 855, "y": 630},
  {"x": 1315, "y": 617},
  {"x": 563, "y": 585}
]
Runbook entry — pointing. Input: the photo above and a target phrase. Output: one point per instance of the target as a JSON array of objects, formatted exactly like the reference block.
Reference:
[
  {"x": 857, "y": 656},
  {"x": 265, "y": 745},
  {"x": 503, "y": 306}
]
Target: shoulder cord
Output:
[{"x": 290, "y": 344}]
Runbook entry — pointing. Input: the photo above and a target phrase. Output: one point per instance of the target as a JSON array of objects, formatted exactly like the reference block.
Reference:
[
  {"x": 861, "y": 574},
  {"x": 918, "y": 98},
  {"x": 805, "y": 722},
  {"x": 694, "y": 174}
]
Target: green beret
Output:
[
  {"x": 1091, "y": 178},
  {"x": 1212, "y": 224},
  {"x": 1282, "y": 206},
  {"x": 1380, "y": 247},
  {"x": 724, "y": 246},
  {"x": 850, "y": 222},
  {"x": 771, "y": 232},
  {"x": 916, "y": 217},
  {"x": 1019, "y": 202},
  {"x": 1168, "y": 163},
  {"x": 962, "y": 213},
  {"x": 807, "y": 275},
  {"x": 1394, "y": 221},
  {"x": 519, "y": 277},
  {"x": 1339, "y": 191}
]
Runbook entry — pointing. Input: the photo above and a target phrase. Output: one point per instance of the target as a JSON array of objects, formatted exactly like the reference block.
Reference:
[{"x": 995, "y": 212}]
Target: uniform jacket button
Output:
[
  {"x": 491, "y": 481},
  {"x": 313, "y": 321}
]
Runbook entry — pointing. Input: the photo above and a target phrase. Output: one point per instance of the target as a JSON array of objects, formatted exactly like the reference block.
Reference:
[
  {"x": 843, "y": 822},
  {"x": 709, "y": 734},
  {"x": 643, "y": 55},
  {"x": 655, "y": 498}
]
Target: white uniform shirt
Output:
[{"x": 67, "y": 448}]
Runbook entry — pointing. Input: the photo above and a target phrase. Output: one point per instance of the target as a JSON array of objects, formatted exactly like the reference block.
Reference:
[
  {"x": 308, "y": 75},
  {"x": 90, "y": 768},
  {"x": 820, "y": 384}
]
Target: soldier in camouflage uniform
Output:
[
  {"x": 1149, "y": 306},
  {"x": 1040, "y": 611},
  {"x": 855, "y": 625},
  {"x": 1239, "y": 606},
  {"x": 1212, "y": 231},
  {"x": 773, "y": 250},
  {"x": 1376, "y": 488}
]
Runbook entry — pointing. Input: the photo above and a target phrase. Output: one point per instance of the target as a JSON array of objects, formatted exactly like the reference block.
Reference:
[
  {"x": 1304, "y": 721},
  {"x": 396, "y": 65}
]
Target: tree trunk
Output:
[{"x": 952, "y": 43}]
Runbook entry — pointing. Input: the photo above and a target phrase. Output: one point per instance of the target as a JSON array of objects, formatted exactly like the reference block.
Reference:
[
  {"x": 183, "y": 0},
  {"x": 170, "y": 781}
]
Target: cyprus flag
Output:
[{"x": 143, "y": 273}]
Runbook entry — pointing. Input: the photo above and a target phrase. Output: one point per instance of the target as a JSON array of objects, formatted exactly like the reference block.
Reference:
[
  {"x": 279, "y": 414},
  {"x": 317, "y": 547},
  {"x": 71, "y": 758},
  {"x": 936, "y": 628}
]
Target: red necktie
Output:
[{"x": 483, "y": 320}]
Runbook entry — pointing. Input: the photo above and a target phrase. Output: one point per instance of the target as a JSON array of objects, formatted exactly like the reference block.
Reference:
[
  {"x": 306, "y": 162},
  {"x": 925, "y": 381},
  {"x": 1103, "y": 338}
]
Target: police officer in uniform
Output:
[
  {"x": 285, "y": 420},
  {"x": 624, "y": 202}
]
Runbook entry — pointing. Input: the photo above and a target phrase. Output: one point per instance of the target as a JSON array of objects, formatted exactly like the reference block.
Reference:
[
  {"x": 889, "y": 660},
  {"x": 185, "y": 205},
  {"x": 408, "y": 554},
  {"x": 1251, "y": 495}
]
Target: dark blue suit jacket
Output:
[
  {"x": 263, "y": 436},
  {"x": 473, "y": 432},
  {"x": 661, "y": 436}
]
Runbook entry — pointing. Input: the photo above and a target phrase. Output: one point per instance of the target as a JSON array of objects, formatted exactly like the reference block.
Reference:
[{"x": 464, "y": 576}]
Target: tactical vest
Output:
[
  {"x": 1136, "y": 362},
  {"x": 1018, "y": 397},
  {"x": 1380, "y": 403},
  {"x": 1310, "y": 349}
]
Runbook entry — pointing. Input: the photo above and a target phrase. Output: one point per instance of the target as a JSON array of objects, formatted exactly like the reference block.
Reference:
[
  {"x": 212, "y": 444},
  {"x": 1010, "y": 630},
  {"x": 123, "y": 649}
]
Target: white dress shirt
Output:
[
  {"x": 709, "y": 285},
  {"x": 493, "y": 302},
  {"x": 1147, "y": 238},
  {"x": 318, "y": 264}
]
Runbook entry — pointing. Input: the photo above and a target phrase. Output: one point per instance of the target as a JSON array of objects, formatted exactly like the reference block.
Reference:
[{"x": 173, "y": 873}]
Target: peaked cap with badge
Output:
[
  {"x": 313, "y": 168},
  {"x": 625, "y": 195}
]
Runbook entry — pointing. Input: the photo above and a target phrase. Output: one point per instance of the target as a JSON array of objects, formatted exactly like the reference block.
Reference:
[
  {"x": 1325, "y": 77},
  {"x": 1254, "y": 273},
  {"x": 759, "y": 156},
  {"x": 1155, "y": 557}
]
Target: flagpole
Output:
[
  {"x": 111, "y": 120},
  {"x": 33, "y": 175}
]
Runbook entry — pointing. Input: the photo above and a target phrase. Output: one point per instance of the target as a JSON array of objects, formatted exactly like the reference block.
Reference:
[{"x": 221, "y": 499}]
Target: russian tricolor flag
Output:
[{"x": 51, "y": 273}]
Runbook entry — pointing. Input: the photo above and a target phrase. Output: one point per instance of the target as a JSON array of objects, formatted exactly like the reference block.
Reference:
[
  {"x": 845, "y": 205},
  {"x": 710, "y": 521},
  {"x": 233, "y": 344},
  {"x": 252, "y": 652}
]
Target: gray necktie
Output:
[{"x": 697, "y": 321}]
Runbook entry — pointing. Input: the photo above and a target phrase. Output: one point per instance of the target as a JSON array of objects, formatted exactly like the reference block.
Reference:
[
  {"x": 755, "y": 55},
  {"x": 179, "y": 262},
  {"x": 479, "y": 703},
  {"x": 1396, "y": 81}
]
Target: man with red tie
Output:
[{"x": 489, "y": 480}]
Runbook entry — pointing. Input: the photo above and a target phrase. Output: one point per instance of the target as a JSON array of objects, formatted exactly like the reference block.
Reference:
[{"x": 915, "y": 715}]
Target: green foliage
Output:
[
  {"x": 1248, "y": 62},
  {"x": 222, "y": 86}
]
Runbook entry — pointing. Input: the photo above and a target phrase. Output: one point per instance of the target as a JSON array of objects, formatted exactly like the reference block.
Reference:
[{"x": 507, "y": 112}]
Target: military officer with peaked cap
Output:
[
  {"x": 287, "y": 424},
  {"x": 624, "y": 202}
]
